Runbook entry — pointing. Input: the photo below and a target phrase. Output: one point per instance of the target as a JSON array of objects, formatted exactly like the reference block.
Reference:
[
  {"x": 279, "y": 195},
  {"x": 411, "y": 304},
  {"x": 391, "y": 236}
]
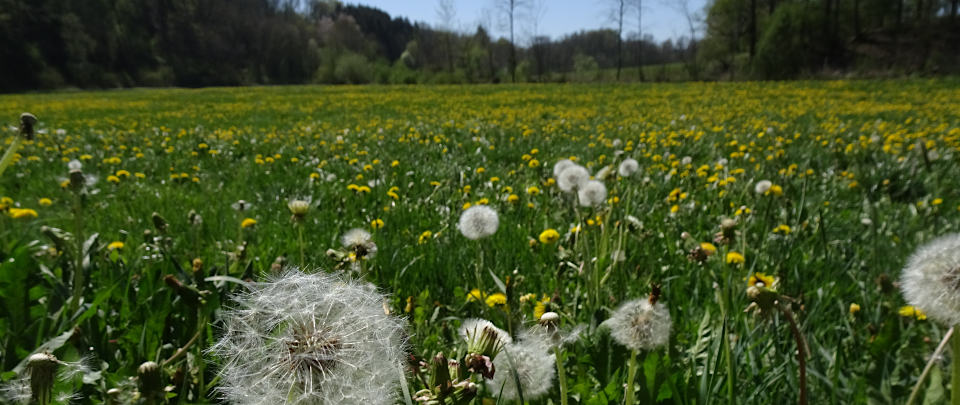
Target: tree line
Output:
[{"x": 47, "y": 44}]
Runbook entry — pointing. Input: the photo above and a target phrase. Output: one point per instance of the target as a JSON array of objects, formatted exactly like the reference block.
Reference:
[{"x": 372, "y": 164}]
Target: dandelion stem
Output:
[
  {"x": 955, "y": 370},
  {"x": 631, "y": 375},
  {"x": 929, "y": 366},
  {"x": 300, "y": 242},
  {"x": 8, "y": 155},
  {"x": 561, "y": 376},
  {"x": 802, "y": 355},
  {"x": 78, "y": 257}
]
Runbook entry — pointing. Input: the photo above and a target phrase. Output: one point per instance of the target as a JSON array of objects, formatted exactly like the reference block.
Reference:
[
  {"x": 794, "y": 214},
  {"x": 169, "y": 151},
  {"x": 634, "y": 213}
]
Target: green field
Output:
[{"x": 862, "y": 174}]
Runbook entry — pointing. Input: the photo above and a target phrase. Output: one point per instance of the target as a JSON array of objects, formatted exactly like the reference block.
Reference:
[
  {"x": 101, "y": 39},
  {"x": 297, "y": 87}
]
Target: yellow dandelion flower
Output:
[
  {"x": 734, "y": 258},
  {"x": 533, "y": 190},
  {"x": 549, "y": 236},
  {"x": 761, "y": 280},
  {"x": 475, "y": 295},
  {"x": 113, "y": 179},
  {"x": 248, "y": 222},
  {"x": 115, "y": 245},
  {"x": 376, "y": 223},
  {"x": 782, "y": 229},
  {"x": 534, "y": 163},
  {"x": 912, "y": 312},
  {"x": 541, "y": 307},
  {"x": 496, "y": 299},
  {"x": 21, "y": 213},
  {"x": 45, "y": 202},
  {"x": 854, "y": 308},
  {"x": 708, "y": 248},
  {"x": 513, "y": 198},
  {"x": 424, "y": 237}
]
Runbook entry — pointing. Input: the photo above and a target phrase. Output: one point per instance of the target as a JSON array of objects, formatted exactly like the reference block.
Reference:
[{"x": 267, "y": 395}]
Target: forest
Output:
[{"x": 54, "y": 44}]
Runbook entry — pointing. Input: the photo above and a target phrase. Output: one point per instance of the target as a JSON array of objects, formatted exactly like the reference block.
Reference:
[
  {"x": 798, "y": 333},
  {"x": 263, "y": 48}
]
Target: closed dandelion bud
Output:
[
  {"x": 150, "y": 380},
  {"x": 42, "y": 368},
  {"x": 76, "y": 179},
  {"x": 299, "y": 209},
  {"x": 159, "y": 222},
  {"x": 440, "y": 373},
  {"x": 463, "y": 392},
  {"x": 27, "y": 121}
]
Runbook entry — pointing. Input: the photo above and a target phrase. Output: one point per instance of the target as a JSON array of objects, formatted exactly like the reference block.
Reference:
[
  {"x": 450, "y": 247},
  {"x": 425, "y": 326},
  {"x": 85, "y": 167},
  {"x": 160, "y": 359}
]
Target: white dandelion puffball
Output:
[
  {"x": 628, "y": 167},
  {"x": 478, "y": 221},
  {"x": 638, "y": 325},
  {"x": 592, "y": 194},
  {"x": 355, "y": 237},
  {"x": 931, "y": 279},
  {"x": 762, "y": 186},
  {"x": 572, "y": 178},
  {"x": 561, "y": 165},
  {"x": 309, "y": 339},
  {"x": 530, "y": 360}
]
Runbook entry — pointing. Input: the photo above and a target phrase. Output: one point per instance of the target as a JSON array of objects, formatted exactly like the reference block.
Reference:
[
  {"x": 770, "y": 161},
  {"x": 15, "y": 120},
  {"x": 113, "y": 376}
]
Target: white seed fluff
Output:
[
  {"x": 593, "y": 193},
  {"x": 355, "y": 237},
  {"x": 572, "y": 178},
  {"x": 478, "y": 221},
  {"x": 639, "y": 325},
  {"x": 762, "y": 186},
  {"x": 474, "y": 326},
  {"x": 309, "y": 339},
  {"x": 533, "y": 363},
  {"x": 628, "y": 167},
  {"x": 561, "y": 165},
  {"x": 931, "y": 279}
]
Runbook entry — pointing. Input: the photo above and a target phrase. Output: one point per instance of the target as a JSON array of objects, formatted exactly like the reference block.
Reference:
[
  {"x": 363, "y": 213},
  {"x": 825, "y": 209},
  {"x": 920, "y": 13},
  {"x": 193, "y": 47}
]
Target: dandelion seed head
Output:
[
  {"x": 628, "y": 167},
  {"x": 473, "y": 326},
  {"x": 592, "y": 193},
  {"x": 309, "y": 339},
  {"x": 762, "y": 186},
  {"x": 529, "y": 360},
  {"x": 478, "y": 222},
  {"x": 561, "y": 165},
  {"x": 931, "y": 279},
  {"x": 638, "y": 325},
  {"x": 572, "y": 178}
]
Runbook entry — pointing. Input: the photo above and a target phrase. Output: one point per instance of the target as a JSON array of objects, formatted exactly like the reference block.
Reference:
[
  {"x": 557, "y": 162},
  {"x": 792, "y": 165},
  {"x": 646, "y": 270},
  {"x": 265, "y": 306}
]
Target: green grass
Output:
[{"x": 858, "y": 197}]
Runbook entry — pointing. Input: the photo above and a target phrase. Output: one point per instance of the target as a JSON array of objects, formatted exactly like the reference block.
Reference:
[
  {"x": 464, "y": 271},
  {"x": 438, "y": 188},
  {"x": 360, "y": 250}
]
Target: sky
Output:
[{"x": 559, "y": 17}]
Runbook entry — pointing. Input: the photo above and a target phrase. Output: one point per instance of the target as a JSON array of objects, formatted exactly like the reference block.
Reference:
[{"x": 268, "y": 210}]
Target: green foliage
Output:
[{"x": 785, "y": 49}]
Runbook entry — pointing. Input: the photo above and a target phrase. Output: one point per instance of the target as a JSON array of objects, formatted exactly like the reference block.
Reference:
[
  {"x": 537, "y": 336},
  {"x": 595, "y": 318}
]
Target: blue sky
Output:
[{"x": 559, "y": 17}]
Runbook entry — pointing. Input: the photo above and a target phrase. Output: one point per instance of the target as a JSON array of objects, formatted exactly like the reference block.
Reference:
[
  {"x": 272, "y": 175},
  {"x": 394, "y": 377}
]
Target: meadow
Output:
[{"x": 815, "y": 193}]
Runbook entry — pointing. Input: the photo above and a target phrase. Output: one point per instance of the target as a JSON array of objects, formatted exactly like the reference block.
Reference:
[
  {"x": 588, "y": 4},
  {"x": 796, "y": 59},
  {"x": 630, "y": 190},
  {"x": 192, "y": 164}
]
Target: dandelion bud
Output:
[
  {"x": 150, "y": 380},
  {"x": 763, "y": 298},
  {"x": 42, "y": 368},
  {"x": 159, "y": 222},
  {"x": 549, "y": 318},
  {"x": 299, "y": 209},
  {"x": 440, "y": 373},
  {"x": 27, "y": 122}
]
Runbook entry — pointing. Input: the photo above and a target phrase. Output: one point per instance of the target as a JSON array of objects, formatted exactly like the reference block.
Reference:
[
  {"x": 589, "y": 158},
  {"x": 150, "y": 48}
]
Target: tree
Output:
[
  {"x": 639, "y": 8},
  {"x": 618, "y": 10},
  {"x": 509, "y": 9}
]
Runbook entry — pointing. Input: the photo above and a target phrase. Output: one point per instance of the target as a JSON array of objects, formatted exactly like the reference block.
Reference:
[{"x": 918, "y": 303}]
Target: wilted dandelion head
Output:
[
  {"x": 309, "y": 339},
  {"x": 471, "y": 329},
  {"x": 529, "y": 360},
  {"x": 640, "y": 325},
  {"x": 931, "y": 279},
  {"x": 478, "y": 221},
  {"x": 572, "y": 178},
  {"x": 592, "y": 193},
  {"x": 762, "y": 186},
  {"x": 628, "y": 167},
  {"x": 360, "y": 242},
  {"x": 561, "y": 165}
]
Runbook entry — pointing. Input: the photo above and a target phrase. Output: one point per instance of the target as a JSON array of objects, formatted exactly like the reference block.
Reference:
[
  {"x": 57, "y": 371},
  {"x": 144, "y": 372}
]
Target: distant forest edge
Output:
[{"x": 50, "y": 44}]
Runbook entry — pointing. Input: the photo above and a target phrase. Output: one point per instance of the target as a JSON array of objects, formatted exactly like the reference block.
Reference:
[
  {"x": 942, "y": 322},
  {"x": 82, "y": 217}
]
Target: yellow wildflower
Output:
[
  {"x": 734, "y": 258},
  {"x": 549, "y": 236},
  {"x": 910, "y": 311},
  {"x": 115, "y": 245},
  {"x": 248, "y": 222},
  {"x": 496, "y": 299}
]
